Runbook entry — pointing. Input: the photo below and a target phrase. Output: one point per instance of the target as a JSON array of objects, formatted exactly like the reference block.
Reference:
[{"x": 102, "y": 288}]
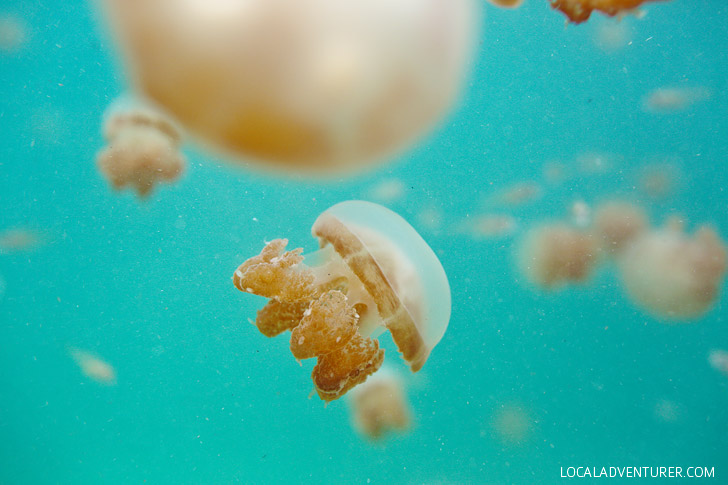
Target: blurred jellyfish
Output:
[
  {"x": 512, "y": 424},
  {"x": 380, "y": 405},
  {"x": 516, "y": 194},
  {"x": 554, "y": 255},
  {"x": 659, "y": 180},
  {"x": 430, "y": 218},
  {"x": 612, "y": 36},
  {"x": 506, "y": 3},
  {"x": 673, "y": 275},
  {"x": 387, "y": 191},
  {"x": 674, "y": 100},
  {"x": 555, "y": 173},
  {"x": 19, "y": 239},
  {"x": 580, "y": 213},
  {"x": 313, "y": 85},
  {"x": 578, "y": 11},
  {"x": 93, "y": 367},
  {"x": 13, "y": 33},
  {"x": 489, "y": 226},
  {"x": 373, "y": 271},
  {"x": 595, "y": 163},
  {"x": 667, "y": 411},
  {"x": 617, "y": 224},
  {"x": 144, "y": 149},
  {"x": 718, "y": 360}
]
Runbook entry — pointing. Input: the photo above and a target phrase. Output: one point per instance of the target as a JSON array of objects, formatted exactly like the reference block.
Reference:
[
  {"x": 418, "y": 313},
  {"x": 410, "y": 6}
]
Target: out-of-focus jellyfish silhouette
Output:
[
  {"x": 387, "y": 191},
  {"x": 580, "y": 213},
  {"x": 506, "y": 3},
  {"x": 488, "y": 226},
  {"x": 660, "y": 180},
  {"x": 380, "y": 405},
  {"x": 667, "y": 410},
  {"x": 718, "y": 360},
  {"x": 557, "y": 254},
  {"x": 314, "y": 85},
  {"x": 512, "y": 424},
  {"x": 579, "y": 11},
  {"x": 93, "y": 367},
  {"x": 611, "y": 36},
  {"x": 143, "y": 149},
  {"x": 19, "y": 239},
  {"x": 672, "y": 274},
  {"x": 618, "y": 223},
  {"x": 514, "y": 195},
  {"x": 674, "y": 100},
  {"x": 13, "y": 33},
  {"x": 373, "y": 271}
]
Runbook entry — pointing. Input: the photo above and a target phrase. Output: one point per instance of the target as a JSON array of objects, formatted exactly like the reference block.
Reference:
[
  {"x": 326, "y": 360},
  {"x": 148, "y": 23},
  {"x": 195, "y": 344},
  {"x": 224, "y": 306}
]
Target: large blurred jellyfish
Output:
[
  {"x": 93, "y": 366},
  {"x": 380, "y": 405},
  {"x": 143, "y": 150},
  {"x": 672, "y": 274},
  {"x": 373, "y": 272},
  {"x": 554, "y": 255},
  {"x": 315, "y": 85}
]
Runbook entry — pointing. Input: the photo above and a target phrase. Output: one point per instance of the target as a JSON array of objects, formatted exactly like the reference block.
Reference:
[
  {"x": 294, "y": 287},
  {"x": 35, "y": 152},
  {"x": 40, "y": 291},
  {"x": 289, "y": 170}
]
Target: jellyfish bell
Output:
[
  {"x": 554, "y": 255},
  {"x": 312, "y": 85},
  {"x": 506, "y": 3},
  {"x": 93, "y": 366},
  {"x": 143, "y": 149},
  {"x": 617, "y": 223},
  {"x": 372, "y": 273},
  {"x": 674, "y": 275},
  {"x": 380, "y": 405}
]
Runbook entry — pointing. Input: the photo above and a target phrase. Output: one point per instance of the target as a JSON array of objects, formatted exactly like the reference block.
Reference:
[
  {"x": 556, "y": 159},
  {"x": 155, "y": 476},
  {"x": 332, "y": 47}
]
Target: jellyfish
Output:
[
  {"x": 618, "y": 223},
  {"x": 674, "y": 275},
  {"x": 19, "y": 239},
  {"x": 13, "y": 33},
  {"x": 512, "y": 424},
  {"x": 670, "y": 100},
  {"x": 554, "y": 255},
  {"x": 387, "y": 191},
  {"x": 506, "y": 3},
  {"x": 93, "y": 367},
  {"x": 373, "y": 272},
  {"x": 380, "y": 405},
  {"x": 311, "y": 85},
  {"x": 718, "y": 360},
  {"x": 144, "y": 149},
  {"x": 489, "y": 226},
  {"x": 515, "y": 195},
  {"x": 579, "y": 11}
]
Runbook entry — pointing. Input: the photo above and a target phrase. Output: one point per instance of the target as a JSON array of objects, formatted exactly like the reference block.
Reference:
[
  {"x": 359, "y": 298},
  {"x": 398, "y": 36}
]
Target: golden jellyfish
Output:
[
  {"x": 19, "y": 239},
  {"x": 143, "y": 150},
  {"x": 93, "y": 367},
  {"x": 671, "y": 100},
  {"x": 489, "y": 226},
  {"x": 506, "y": 3},
  {"x": 579, "y": 11},
  {"x": 373, "y": 272},
  {"x": 554, "y": 255},
  {"x": 672, "y": 274},
  {"x": 13, "y": 33},
  {"x": 380, "y": 405},
  {"x": 718, "y": 360},
  {"x": 512, "y": 424},
  {"x": 314, "y": 85},
  {"x": 618, "y": 223}
]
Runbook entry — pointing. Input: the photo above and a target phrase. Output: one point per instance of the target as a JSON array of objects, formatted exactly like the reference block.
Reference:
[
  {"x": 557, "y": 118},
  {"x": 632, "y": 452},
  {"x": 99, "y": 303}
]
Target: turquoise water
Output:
[{"x": 202, "y": 397}]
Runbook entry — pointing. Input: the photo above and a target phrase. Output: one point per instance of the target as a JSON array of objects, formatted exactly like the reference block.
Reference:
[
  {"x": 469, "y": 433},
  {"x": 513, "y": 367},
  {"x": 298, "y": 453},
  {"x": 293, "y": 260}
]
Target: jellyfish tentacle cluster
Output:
[
  {"x": 580, "y": 10},
  {"x": 336, "y": 300}
]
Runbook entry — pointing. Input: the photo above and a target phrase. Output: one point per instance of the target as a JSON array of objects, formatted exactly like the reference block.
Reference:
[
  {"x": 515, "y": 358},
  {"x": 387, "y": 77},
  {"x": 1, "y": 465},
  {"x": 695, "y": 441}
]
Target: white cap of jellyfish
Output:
[
  {"x": 315, "y": 85},
  {"x": 400, "y": 277},
  {"x": 672, "y": 274}
]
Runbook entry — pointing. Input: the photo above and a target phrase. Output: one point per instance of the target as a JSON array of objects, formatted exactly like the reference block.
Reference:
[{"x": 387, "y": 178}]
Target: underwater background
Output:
[{"x": 580, "y": 377}]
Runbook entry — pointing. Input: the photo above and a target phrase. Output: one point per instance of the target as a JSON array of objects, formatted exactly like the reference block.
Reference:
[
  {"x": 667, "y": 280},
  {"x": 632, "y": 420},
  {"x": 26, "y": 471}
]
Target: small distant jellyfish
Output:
[
  {"x": 373, "y": 272},
  {"x": 580, "y": 213},
  {"x": 578, "y": 11},
  {"x": 618, "y": 223},
  {"x": 660, "y": 180},
  {"x": 515, "y": 195},
  {"x": 489, "y": 226},
  {"x": 12, "y": 33},
  {"x": 674, "y": 100},
  {"x": 512, "y": 424},
  {"x": 19, "y": 239},
  {"x": 611, "y": 37},
  {"x": 314, "y": 86},
  {"x": 506, "y": 3},
  {"x": 380, "y": 405},
  {"x": 387, "y": 191},
  {"x": 554, "y": 255},
  {"x": 674, "y": 275},
  {"x": 718, "y": 360},
  {"x": 143, "y": 150},
  {"x": 93, "y": 367}
]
